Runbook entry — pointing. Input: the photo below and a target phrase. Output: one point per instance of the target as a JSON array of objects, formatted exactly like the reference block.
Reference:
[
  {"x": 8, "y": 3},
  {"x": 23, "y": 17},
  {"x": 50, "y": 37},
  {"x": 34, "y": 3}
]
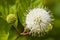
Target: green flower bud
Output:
[{"x": 11, "y": 18}]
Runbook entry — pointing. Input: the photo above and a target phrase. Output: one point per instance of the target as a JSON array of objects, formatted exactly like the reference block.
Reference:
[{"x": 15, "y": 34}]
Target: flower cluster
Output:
[{"x": 38, "y": 21}]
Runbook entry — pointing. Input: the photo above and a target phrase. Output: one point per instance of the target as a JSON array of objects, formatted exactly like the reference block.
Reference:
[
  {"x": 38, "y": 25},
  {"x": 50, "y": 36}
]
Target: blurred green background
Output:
[{"x": 19, "y": 7}]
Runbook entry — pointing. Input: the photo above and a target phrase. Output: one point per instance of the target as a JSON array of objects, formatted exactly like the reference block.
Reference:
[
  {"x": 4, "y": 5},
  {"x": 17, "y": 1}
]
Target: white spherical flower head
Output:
[
  {"x": 38, "y": 21},
  {"x": 11, "y": 18}
]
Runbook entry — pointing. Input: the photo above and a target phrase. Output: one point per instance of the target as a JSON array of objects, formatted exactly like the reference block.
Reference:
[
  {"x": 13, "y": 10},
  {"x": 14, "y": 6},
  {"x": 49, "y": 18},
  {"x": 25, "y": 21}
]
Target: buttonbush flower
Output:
[{"x": 38, "y": 21}]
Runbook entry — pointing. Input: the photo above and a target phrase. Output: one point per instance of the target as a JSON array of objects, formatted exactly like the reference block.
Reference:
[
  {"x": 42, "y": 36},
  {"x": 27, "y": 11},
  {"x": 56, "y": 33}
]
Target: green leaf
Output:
[
  {"x": 4, "y": 29},
  {"x": 22, "y": 38},
  {"x": 12, "y": 34},
  {"x": 23, "y": 6}
]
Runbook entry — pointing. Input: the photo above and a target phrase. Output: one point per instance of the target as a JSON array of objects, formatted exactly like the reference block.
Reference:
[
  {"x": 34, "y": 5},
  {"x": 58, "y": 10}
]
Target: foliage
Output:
[{"x": 20, "y": 8}]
